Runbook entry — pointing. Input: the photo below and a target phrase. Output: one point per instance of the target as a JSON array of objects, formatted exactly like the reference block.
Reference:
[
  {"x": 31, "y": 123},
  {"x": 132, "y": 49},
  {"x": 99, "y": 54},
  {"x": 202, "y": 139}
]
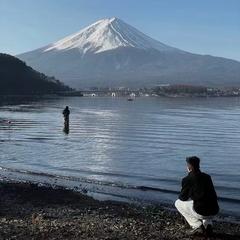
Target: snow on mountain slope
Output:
[
  {"x": 111, "y": 53},
  {"x": 107, "y": 34}
]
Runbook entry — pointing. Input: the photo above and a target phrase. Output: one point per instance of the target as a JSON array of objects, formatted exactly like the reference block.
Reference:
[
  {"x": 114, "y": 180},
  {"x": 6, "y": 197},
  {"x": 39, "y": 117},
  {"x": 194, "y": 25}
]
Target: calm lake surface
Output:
[{"x": 127, "y": 150}]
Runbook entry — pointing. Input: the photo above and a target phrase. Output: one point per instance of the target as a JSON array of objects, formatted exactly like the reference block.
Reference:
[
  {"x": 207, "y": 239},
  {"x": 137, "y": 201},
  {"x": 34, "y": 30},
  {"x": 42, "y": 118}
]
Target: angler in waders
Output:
[{"x": 66, "y": 113}]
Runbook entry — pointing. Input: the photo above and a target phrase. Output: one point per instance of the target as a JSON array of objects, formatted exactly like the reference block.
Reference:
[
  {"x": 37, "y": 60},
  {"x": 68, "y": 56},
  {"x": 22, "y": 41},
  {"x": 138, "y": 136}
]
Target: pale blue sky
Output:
[{"x": 199, "y": 26}]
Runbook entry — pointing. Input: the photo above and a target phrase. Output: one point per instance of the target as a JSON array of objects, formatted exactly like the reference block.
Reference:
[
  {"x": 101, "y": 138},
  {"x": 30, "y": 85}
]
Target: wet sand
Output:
[{"x": 28, "y": 211}]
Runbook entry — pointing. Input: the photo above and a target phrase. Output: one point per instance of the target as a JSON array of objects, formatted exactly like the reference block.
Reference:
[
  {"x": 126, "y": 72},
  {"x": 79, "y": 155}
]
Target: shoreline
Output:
[
  {"x": 29, "y": 211},
  {"x": 111, "y": 191}
]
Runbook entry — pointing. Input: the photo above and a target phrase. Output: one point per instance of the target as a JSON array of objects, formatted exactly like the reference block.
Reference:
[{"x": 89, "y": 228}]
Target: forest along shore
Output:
[{"x": 28, "y": 211}]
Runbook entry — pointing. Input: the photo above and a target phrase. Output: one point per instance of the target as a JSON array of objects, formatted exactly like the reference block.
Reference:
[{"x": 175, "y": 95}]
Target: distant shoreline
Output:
[
  {"x": 54, "y": 96},
  {"x": 25, "y": 99}
]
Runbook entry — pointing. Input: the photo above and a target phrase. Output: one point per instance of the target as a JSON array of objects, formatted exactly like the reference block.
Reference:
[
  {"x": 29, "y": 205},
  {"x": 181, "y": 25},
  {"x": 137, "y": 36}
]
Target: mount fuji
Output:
[{"x": 111, "y": 53}]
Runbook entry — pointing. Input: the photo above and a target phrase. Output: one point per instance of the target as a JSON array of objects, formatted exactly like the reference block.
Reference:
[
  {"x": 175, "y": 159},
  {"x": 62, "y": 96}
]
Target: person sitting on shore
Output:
[{"x": 197, "y": 201}]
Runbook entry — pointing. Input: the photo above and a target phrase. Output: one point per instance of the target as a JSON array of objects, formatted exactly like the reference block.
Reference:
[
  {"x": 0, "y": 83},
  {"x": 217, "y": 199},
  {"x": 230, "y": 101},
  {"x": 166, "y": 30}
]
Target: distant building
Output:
[{"x": 163, "y": 85}]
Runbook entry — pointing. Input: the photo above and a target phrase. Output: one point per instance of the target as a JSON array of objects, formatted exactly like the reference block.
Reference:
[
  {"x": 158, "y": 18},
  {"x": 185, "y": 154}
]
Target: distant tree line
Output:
[
  {"x": 16, "y": 78},
  {"x": 180, "y": 89}
]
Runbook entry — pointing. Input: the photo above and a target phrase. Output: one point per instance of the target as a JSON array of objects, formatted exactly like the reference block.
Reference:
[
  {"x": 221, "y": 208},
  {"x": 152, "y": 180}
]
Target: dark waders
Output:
[
  {"x": 66, "y": 124},
  {"x": 66, "y": 113}
]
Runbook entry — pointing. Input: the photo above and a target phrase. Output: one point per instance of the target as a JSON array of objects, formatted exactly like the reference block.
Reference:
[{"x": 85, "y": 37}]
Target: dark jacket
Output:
[
  {"x": 198, "y": 186},
  {"x": 66, "y": 113}
]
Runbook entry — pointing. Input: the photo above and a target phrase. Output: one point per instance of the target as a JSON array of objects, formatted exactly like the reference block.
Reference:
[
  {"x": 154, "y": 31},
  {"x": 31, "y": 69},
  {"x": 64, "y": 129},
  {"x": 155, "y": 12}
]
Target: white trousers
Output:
[{"x": 194, "y": 219}]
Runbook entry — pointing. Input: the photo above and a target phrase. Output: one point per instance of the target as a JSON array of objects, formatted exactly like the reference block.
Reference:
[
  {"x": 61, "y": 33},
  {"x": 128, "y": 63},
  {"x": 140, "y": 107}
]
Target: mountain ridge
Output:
[{"x": 19, "y": 79}]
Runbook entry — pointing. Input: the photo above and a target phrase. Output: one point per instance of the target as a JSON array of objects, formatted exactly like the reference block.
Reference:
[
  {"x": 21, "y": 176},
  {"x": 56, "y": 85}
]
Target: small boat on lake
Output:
[{"x": 131, "y": 97}]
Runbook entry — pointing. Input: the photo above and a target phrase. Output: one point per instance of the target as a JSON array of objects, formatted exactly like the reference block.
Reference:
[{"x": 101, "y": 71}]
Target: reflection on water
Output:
[{"x": 142, "y": 143}]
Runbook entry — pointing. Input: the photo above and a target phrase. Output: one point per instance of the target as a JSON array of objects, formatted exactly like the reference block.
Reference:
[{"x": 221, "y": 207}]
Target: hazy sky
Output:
[{"x": 199, "y": 26}]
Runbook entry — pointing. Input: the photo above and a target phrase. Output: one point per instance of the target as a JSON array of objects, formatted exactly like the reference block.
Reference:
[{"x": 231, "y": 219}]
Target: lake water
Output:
[{"x": 124, "y": 150}]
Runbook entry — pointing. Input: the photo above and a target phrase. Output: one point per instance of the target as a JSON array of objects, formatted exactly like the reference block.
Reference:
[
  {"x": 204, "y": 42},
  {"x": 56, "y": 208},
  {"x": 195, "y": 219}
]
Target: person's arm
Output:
[
  {"x": 212, "y": 188},
  {"x": 185, "y": 191}
]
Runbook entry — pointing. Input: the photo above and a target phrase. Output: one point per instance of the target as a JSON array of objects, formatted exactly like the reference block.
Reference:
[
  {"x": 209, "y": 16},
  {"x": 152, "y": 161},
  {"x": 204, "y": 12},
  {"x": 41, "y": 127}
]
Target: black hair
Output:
[{"x": 194, "y": 161}]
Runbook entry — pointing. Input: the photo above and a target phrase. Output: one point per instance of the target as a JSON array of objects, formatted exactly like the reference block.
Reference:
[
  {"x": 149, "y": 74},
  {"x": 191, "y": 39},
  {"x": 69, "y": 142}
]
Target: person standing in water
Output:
[
  {"x": 197, "y": 201},
  {"x": 66, "y": 113}
]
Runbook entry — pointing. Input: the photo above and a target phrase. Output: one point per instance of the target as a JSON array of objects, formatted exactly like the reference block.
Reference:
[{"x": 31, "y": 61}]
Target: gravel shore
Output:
[{"x": 28, "y": 211}]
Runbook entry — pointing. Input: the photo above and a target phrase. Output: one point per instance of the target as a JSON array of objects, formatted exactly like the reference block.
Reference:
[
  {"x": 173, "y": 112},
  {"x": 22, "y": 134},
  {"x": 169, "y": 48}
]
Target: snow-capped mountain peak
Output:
[
  {"x": 111, "y": 53},
  {"x": 107, "y": 34}
]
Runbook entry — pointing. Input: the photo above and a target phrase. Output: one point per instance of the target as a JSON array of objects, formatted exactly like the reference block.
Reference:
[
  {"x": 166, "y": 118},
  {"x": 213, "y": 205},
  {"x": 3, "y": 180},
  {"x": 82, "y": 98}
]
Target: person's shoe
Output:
[
  {"x": 209, "y": 230},
  {"x": 195, "y": 231}
]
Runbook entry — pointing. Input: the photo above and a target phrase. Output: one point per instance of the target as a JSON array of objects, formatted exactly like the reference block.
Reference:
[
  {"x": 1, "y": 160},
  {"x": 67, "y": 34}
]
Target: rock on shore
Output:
[{"x": 28, "y": 211}]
